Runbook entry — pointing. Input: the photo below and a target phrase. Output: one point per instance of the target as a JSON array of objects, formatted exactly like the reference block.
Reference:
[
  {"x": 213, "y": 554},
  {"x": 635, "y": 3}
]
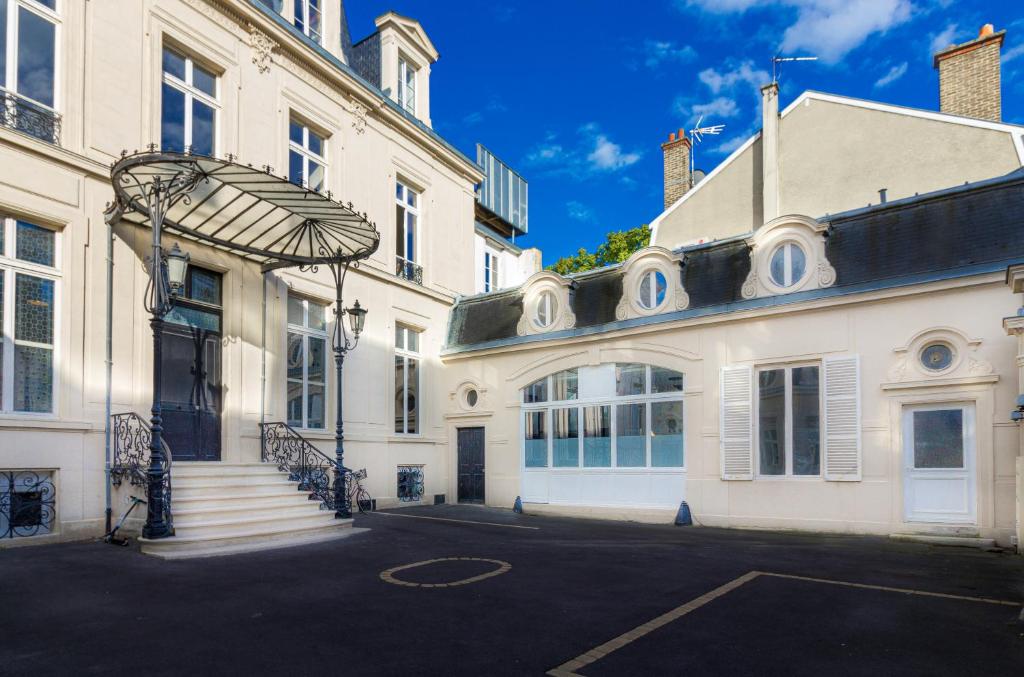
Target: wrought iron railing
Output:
[
  {"x": 132, "y": 437},
  {"x": 24, "y": 115},
  {"x": 27, "y": 503},
  {"x": 314, "y": 470},
  {"x": 408, "y": 270}
]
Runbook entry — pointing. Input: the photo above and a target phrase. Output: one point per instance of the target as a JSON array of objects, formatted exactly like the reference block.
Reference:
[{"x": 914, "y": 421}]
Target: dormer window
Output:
[
  {"x": 307, "y": 18},
  {"x": 788, "y": 264},
  {"x": 407, "y": 86}
]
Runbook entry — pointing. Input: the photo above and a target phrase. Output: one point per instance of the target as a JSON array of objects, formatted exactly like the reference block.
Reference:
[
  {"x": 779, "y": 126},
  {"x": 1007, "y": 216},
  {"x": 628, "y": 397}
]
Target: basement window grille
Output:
[
  {"x": 410, "y": 483},
  {"x": 27, "y": 503}
]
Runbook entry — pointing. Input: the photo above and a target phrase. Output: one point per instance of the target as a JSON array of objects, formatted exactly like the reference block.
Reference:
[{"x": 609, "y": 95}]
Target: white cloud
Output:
[
  {"x": 732, "y": 144},
  {"x": 1012, "y": 54},
  {"x": 609, "y": 156},
  {"x": 473, "y": 118},
  {"x": 894, "y": 74},
  {"x": 579, "y": 211},
  {"x": 722, "y": 107},
  {"x": 829, "y": 29},
  {"x": 657, "y": 52},
  {"x": 744, "y": 73},
  {"x": 943, "y": 40}
]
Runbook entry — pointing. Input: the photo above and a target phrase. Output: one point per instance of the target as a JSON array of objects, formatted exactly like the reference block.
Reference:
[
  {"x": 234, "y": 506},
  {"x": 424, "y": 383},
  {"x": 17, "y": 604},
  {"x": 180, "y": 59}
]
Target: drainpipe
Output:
[
  {"x": 263, "y": 364},
  {"x": 110, "y": 362}
]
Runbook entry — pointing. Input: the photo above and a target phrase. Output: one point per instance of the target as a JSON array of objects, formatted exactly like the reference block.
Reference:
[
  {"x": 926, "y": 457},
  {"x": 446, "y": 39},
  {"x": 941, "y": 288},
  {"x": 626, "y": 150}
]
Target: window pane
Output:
[
  {"x": 295, "y": 311},
  {"x": 771, "y": 392},
  {"x": 412, "y": 401},
  {"x": 34, "y": 244},
  {"x": 295, "y": 132},
  {"x": 399, "y": 337},
  {"x": 645, "y": 291},
  {"x": 33, "y": 306},
  {"x": 174, "y": 64},
  {"x": 204, "y": 80},
  {"x": 410, "y": 197},
  {"x": 314, "y": 21},
  {"x": 399, "y": 394},
  {"x": 630, "y": 379},
  {"x": 315, "y": 370},
  {"x": 536, "y": 391},
  {"x": 295, "y": 355},
  {"x": 806, "y": 422},
  {"x": 564, "y": 385},
  {"x": 299, "y": 15},
  {"x": 316, "y": 143},
  {"x": 3, "y": 43},
  {"x": 316, "y": 176},
  {"x": 939, "y": 438},
  {"x": 630, "y": 436},
  {"x": 204, "y": 286},
  {"x": 317, "y": 316},
  {"x": 798, "y": 262},
  {"x": 666, "y": 381},
  {"x": 296, "y": 173},
  {"x": 777, "y": 267},
  {"x": 410, "y": 236},
  {"x": 315, "y": 408},
  {"x": 667, "y": 434},
  {"x": 33, "y": 379},
  {"x": 35, "y": 57},
  {"x": 536, "y": 440},
  {"x": 202, "y": 128},
  {"x": 597, "y": 437},
  {"x": 400, "y": 231},
  {"x": 295, "y": 403},
  {"x": 172, "y": 119},
  {"x": 413, "y": 338},
  {"x": 566, "y": 428},
  {"x": 660, "y": 288}
]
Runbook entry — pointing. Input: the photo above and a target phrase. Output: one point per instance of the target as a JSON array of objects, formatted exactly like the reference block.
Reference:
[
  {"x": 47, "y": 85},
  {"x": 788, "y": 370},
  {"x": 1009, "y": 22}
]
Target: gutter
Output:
[{"x": 108, "y": 433}]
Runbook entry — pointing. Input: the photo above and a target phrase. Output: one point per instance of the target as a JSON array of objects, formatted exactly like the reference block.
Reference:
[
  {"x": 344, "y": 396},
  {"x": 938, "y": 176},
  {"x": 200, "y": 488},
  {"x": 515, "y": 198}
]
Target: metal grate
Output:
[
  {"x": 27, "y": 503},
  {"x": 410, "y": 483}
]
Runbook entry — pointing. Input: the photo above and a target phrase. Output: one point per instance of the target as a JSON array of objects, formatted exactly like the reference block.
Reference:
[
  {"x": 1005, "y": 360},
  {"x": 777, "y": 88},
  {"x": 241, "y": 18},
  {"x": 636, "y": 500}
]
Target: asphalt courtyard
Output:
[{"x": 494, "y": 593}]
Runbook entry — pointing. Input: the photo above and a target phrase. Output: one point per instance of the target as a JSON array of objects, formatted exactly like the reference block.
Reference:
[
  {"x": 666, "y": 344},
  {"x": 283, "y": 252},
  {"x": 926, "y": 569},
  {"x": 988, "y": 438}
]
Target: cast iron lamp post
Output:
[{"x": 341, "y": 344}]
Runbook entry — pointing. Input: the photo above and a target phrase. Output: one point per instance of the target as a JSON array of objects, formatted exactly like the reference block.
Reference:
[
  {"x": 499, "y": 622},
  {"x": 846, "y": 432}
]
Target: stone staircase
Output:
[{"x": 224, "y": 508}]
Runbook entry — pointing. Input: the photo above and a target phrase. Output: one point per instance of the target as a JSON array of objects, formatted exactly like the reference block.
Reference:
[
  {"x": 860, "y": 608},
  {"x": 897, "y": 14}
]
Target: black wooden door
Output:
[
  {"x": 192, "y": 384},
  {"x": 471, "y": 465}
]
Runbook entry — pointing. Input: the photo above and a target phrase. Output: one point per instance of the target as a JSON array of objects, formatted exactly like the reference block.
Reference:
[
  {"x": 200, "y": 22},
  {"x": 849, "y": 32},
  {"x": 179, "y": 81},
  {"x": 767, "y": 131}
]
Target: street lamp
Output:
[
  {"x": 356, "y": 317},
  {"x": 177, "y": 265}
]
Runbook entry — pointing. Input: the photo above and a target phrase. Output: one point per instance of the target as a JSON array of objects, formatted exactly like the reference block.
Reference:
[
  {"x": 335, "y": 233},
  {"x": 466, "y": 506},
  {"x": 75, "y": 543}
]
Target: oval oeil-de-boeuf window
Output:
[
  {"x": 547, "y": 308},
  {"x": 787, "y": 264},
  {"x": 653, "y": 288}
]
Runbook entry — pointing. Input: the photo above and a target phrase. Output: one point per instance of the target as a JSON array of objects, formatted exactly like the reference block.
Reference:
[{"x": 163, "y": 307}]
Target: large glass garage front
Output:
[{"x": 606, "y": 435}]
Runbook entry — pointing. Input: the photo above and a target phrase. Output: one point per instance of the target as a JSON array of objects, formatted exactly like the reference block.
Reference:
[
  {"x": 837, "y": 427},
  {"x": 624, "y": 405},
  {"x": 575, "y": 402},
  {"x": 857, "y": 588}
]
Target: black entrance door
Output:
[
  {"x": 471, "y": 465},
  {"x": 191, "y": 371}
]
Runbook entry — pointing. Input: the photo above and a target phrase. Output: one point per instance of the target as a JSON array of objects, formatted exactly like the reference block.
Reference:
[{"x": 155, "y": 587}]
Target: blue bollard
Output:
[
  {"x": 683, "y": 517},
  {"x": 517, "y": 507}
]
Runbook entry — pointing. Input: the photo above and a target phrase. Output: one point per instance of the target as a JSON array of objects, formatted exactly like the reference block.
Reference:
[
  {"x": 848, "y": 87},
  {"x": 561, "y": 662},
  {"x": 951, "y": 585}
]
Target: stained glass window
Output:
[{"x": 35, "y": 244}]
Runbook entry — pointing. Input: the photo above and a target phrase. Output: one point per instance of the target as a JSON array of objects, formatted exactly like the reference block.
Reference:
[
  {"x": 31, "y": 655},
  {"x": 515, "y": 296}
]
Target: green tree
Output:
[{"x": 618, "y": 246}]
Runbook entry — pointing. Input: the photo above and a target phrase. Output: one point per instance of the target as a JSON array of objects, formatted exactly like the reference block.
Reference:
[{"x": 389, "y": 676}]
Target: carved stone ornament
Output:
[
  {"x": 797, "y": 232},
  {"x": 262, "y": 49},
  {"x": 639, "y": 266},
  {"x": 557, "y": 309},
  {"x": 358, "y": 117},
  {"x": 964, "y": 356}
]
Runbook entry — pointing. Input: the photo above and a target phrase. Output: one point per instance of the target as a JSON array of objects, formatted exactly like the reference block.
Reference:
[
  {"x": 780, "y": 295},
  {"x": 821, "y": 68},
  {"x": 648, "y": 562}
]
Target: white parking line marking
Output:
[
  {"x": 569, "y": 669},
  {"x": 449, "y": 519}
]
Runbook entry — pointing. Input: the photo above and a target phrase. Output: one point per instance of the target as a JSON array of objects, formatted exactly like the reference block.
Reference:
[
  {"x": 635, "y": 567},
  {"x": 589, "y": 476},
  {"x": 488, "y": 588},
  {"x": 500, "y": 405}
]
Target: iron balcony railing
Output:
[
  {"x": 26, "y": 116},
  {"x": 132, "y": 437},
  {"x": 408, "y": 270},
  {"x": 303, "y": 462}
]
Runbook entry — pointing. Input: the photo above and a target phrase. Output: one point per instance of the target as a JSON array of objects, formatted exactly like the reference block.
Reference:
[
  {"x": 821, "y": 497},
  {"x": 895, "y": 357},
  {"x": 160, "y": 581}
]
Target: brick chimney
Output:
[
  {"x": 969, "y": 76},
  {"x": 677, "y": 167}
]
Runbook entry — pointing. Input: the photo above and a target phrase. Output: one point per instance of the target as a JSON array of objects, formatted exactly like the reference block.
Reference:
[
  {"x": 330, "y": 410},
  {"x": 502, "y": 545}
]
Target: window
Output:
[
  {"x": 639, "y": 426},
  {"x": 492, "y": 280},
  {"x": 545, "y": 310},
  {"x": 407, "y": 86},
  {"x": 937, "y": 357},
  {"x": 407, "y": 379},
  {"x": 306, "y": 149},
  {"x": 407, "y": 216},
  {"x": 28, "y": 294},
  {"x": 788, "y": 264},
  {"x": 653, "y": 289},
  {"x": 788, "y": 420},
  {"x": 307, "y": 363},
  {"x": 189, "y": 106},
  {"x": 307, "y": 18},
  {"x": 28, "y": 58}
]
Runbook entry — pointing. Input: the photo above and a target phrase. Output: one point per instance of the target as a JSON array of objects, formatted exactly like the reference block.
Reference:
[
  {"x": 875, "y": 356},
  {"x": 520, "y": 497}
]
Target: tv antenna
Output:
[
  {"x": 777, "y": 60},
  {"x": 697, "y": 135}
]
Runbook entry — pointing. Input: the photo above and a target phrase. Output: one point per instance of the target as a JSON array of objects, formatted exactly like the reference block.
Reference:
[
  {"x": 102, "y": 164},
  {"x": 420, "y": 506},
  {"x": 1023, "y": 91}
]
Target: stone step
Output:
[
  {"x": 227, "y": 500},
  {"x": 199, "y": 513},
  {"x": 188, "y": 469},
  {"x": 228, "y": 527},
  {"x": 276, "y": 484},
  {"x": 955, "y": 541},
  {"x": 179, "y": 547}
]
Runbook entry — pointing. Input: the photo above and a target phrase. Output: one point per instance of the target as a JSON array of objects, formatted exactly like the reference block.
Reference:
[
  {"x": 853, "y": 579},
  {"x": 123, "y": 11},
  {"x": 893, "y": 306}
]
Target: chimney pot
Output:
[
  {"x": 672, "y": 136},
  {"x": 987, "y": 29},
  {"x": 681, "y": 135}
]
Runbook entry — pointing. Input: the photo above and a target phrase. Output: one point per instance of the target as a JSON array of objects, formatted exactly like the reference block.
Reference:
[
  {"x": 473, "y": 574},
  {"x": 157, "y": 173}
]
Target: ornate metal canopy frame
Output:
[{"x": 259, "y": 216}]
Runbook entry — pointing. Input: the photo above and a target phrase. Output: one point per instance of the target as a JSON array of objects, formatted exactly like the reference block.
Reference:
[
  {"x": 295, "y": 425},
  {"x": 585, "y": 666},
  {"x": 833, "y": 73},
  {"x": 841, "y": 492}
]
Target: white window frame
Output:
[
  {"x": 307, "y": 333},
  {"x": 651, "y": 303},
  {"x": 192, "y": 92},
  {"x": 11, "y": 75},
  {"x": 788, "y": 426},
  {"x": 10, "y": 266},
  {"x": 305, "y": 153},
  {"x": 413, "y": 256},
  {"x": 407, "y": 85},
  {"x": 787, "y": 264},
  {"x": 417, "y": 356},
  {"x": 304, "y": 9},
  {"x": 581, "y": 403},
  {"x": 492, "y": 270}
]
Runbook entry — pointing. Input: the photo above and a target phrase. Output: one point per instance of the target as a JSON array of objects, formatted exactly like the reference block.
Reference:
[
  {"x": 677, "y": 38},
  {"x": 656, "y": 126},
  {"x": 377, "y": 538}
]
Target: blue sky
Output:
[{"x": 577, "y": 95}]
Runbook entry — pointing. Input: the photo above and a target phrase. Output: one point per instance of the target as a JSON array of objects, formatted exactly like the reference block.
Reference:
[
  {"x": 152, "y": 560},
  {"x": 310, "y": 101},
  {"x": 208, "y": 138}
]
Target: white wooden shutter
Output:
[
  {"x": 737, "y": 424},
  {"x": 841, "y": 431}
]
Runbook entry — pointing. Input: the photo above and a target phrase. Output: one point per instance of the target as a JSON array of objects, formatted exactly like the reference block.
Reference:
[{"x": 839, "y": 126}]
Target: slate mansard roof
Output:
[{"x": 961, "y": 231}]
